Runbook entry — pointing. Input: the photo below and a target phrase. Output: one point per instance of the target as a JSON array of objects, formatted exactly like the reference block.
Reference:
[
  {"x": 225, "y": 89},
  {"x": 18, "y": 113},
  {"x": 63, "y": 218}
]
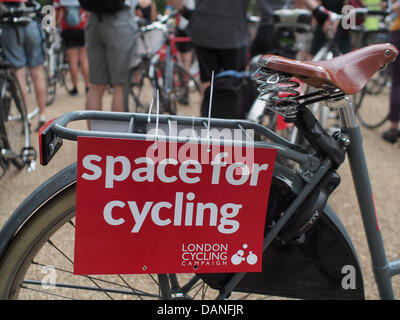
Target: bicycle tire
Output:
[
  {"x": 15, "y": 124},
  {"x": 372, "y": 109},
  {"x": 51, "y": 88},
  {"x": 185, "y": 91},
  {"x": 185, "y": 81},
  {"x": 47, "y": 234},
  {"x": 63, "y": 70},
  {"x": 138, "y": 93}
]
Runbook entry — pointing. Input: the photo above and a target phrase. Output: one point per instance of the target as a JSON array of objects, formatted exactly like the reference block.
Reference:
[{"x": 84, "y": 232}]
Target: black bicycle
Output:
[{"x": 15, "y": 140}]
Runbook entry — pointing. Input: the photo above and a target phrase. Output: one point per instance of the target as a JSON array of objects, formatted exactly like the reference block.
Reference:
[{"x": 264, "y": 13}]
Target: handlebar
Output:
[
  {"x": 160, "y": 24},
  {"x": 164, "y": 19}
]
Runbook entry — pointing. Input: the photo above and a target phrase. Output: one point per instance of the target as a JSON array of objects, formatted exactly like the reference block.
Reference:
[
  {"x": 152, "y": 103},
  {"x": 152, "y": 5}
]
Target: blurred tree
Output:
[{"x": 160, "y": 5}]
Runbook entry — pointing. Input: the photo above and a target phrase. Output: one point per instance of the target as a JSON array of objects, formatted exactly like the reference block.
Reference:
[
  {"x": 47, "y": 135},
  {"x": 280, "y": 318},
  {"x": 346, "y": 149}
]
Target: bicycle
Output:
[
  {"x": 15, "y": 141},
  {"x": 156, "y": 69},
  {"x": 56, "y": 65},
  {"x": 378, "y": 88},
  {"x": 305, "y": 245},
  {"x": 329, "y": 118},
  {"x": 289, "y": 24}
]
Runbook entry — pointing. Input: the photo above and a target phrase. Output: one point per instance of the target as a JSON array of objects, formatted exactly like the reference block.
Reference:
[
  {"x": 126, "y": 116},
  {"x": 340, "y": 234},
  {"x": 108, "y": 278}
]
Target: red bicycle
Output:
[{"x": 155, "y": 69}]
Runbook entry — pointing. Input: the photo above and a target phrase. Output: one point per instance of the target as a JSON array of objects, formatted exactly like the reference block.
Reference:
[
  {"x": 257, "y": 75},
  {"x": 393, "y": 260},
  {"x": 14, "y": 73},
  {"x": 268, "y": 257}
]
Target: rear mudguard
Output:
[{"x": 323, "y": 265}]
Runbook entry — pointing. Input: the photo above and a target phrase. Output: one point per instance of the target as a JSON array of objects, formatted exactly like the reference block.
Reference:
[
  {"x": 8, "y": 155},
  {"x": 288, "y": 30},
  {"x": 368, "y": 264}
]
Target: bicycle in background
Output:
[
  {"x": 56, "y": 65},
  {"x": 305, "y": 246},
  {"x": 155, "y": 69},
  {"x": 378, "y": 88},
  {"x": 15, "y": 138}
]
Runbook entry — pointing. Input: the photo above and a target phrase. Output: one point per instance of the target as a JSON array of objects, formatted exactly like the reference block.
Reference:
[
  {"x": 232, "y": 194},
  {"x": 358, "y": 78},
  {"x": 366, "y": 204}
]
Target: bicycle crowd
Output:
[
  {"x": 299, "y": 74},
  {"x": 102, "y": 42}
]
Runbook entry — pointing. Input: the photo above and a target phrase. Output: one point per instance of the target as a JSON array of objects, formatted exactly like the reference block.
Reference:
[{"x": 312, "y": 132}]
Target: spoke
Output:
[
  {"x": 77, "y": 287},
  {"x": 154, "y": 279},
  {"x": 204, "y": 292},
  {"x": 94, "y": 278},
  {"x": 133, "y": 290},
  {"x": 189, "y": 285},
  {"x": 201, "y": 289},
  {"x": 46, "y": 292},
  {"x": 245, "y": 296},
  {"x": 64, "y": 255}
]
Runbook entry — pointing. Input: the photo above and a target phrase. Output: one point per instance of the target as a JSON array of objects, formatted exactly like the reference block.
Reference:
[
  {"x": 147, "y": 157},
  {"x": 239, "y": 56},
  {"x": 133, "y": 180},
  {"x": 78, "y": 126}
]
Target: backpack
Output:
[
  {"x": 72, "y": 16},
  {"x": 103, "y": 6},
  {"x": 233, "y": 95}
]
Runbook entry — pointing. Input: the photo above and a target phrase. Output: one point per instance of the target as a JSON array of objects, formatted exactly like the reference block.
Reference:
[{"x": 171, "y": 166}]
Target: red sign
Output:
[{"x": 170, "y": 207}]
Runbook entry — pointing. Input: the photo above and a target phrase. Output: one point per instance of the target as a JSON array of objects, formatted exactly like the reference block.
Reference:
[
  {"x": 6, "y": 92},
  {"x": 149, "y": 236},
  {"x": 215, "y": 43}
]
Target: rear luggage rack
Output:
[{"x": 123, "y": 125}]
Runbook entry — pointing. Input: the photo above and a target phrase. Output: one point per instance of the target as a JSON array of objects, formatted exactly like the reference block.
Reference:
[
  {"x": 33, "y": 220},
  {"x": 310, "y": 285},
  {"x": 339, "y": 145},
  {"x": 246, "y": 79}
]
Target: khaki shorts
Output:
[{"x": 111, "y": 44}]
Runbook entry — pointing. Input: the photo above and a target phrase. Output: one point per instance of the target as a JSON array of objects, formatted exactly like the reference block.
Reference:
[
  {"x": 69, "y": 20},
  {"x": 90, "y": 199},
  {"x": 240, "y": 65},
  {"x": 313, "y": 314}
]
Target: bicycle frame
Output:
[
  {"x": 167, "y": 54},
  {"x": 351, "y": 136},
  {"x": 5, "y": 84}
]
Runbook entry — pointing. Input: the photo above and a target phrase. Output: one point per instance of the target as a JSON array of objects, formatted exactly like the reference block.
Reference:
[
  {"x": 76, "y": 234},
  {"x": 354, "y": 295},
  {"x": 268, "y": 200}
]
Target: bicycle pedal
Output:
[{"x": 28, "y": 155}]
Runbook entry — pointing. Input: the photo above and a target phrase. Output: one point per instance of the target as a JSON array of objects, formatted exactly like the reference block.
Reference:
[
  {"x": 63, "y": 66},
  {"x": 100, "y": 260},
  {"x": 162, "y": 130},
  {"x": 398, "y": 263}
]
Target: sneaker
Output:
[
  {"x": 73, "y": 92},
  {"x": 391, "y": 135},
  {"x": 41, "y": 123}
]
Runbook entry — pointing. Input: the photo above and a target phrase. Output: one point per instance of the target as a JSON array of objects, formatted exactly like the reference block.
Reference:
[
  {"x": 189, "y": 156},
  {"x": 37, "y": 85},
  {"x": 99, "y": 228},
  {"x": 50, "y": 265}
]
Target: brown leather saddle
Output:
[{"x": 349, "y": 72}]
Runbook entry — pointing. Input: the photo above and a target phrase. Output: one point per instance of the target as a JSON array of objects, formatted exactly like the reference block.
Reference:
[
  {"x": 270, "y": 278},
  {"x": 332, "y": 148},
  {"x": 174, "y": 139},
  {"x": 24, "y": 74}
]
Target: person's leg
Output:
[
  {"x": 73, "y": 60},
  {"x": 83, "y": 63},
  {"x": 233, "y": 59},
  {"x": 35, "y": 53},
  {"x": 39, "y": 85},
  {"x": 120, "y": 46},
  {"x": 392, "y": 134},
  {"x": 20, "y": 74},
  {"x": 12, "y": 44},
  {"x": 98, "y": 71},
  {"x": 94, "y": 99},
  {"x": 208, "y": 62},
  {"x": 117, "y": 103}
]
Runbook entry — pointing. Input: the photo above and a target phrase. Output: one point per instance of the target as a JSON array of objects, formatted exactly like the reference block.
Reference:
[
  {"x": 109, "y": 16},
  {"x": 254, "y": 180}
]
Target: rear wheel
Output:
[
  {"x": 139, "y": 94},
  {"x": 51, "y": 88},
  {"x": 38, "y": 264},
  {"x": 185, "y": 95},
  {"x": 372, "y": 104}
]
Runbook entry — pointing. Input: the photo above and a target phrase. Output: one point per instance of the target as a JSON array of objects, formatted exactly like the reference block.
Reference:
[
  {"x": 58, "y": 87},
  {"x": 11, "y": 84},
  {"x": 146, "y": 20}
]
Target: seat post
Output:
[{"x": 347, "y": 115}]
